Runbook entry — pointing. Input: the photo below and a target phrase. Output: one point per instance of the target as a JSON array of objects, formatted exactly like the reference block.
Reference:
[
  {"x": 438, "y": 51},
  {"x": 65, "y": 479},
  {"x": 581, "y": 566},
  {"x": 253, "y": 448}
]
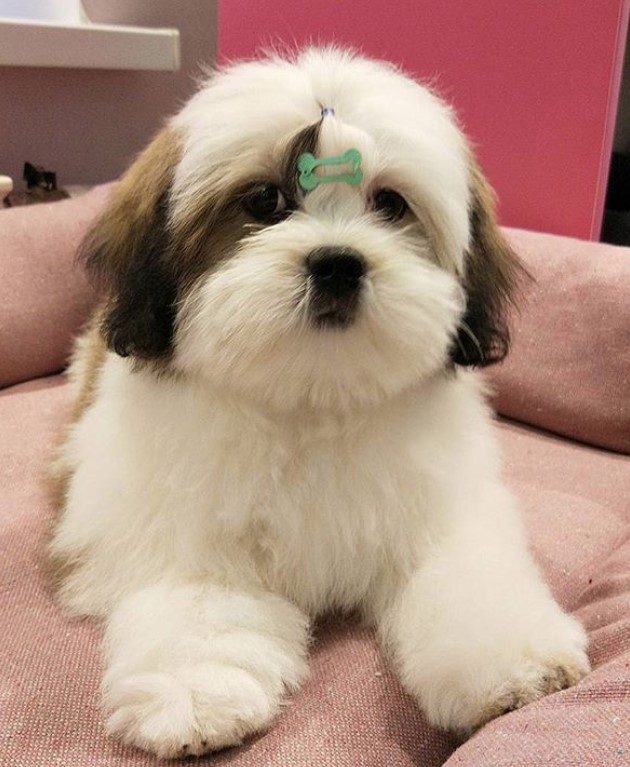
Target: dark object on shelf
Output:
[
  {"x": 41, "y": 186},
  {"x": 616, "y": 228}
]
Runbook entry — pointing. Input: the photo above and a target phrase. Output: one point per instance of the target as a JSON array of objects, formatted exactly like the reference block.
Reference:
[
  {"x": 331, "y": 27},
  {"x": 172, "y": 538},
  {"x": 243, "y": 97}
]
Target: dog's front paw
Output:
[
  {"x": 528, "y": 682},
  {"x": 189, "y": 711},
  {"x": 191, "y": 669},
  {"x": 508, "y": 679}
]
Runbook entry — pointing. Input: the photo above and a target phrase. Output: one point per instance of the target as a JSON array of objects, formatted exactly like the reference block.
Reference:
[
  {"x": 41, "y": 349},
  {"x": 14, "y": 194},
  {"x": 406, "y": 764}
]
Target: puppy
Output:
[{"x": 275, "y": 414}]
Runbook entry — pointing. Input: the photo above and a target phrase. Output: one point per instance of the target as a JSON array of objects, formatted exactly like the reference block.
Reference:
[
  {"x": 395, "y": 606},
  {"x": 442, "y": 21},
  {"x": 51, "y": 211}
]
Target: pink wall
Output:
[{"x": 535, "y": 84}]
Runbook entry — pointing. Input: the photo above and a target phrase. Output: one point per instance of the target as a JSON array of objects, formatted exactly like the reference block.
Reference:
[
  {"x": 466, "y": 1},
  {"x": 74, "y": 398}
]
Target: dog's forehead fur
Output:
[{"x": 243, "y": 120}]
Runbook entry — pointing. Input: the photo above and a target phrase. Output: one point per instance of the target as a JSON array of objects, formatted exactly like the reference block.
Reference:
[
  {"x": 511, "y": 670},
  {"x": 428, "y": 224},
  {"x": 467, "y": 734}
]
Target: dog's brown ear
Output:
[
  {"x": 126, "y": 255},
  {"x": 492, "y": 274}
]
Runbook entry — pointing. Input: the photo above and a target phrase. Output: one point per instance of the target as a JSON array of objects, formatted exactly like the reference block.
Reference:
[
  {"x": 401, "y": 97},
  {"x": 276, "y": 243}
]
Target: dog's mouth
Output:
[
  {"x": 335, "y": 279},
  {"x": 333, "y": 312}
]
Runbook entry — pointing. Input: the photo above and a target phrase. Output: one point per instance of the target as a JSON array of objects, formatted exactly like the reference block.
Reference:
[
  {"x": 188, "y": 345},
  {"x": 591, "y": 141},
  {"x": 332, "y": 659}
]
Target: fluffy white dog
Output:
[{"x": 274, "y": 416}]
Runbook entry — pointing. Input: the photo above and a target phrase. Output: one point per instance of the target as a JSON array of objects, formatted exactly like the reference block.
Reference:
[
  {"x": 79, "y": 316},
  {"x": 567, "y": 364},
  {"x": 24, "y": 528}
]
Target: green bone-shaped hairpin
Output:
[{"x": 309, "y": 179}]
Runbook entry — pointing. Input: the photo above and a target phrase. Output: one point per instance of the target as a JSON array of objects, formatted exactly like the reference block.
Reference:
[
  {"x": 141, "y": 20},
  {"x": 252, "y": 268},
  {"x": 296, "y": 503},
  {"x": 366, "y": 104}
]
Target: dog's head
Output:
[{"x": 312, "y": 232}]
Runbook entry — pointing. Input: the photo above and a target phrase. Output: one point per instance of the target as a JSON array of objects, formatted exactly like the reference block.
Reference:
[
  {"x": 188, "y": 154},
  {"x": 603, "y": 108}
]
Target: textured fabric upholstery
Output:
[
  {"x": 44, "y": 296},
  {"x": 569, "y": 368}
]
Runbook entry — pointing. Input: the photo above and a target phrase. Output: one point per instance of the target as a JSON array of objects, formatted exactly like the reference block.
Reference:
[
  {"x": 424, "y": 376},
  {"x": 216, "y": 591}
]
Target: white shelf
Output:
[{"x": 91, "y": 46}]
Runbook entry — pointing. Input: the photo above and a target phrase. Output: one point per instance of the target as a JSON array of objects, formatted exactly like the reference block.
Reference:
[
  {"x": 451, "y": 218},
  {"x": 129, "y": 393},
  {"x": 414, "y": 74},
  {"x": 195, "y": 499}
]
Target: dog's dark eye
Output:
[
  {"x": 266, "y": 203},
  {"x": 389, "y": 204}
]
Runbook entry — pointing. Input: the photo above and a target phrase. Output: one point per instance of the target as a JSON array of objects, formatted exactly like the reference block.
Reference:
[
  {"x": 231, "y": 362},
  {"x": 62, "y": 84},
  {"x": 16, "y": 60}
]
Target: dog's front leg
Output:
[
  {"x": 475, "y": 631},
  {"x": 194, "y": 668}
]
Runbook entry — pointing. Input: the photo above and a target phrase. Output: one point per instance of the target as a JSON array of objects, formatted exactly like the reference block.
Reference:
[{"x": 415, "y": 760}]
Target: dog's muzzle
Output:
[{"x": 335, "y": 277}]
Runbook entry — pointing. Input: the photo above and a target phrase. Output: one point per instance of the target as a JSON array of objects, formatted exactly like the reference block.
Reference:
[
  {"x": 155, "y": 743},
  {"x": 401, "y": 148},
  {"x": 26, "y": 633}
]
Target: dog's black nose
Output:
[
  {"x": 336, "y": 271},
  {"x": 336, "y": 275}
]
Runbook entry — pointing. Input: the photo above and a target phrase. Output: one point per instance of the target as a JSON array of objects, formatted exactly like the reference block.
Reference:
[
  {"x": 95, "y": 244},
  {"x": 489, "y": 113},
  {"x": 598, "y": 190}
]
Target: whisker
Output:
[{"x": 300, "y": 308}]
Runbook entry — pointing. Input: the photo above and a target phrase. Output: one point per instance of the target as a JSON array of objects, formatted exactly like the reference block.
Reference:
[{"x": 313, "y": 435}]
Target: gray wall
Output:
[{"x": 88, "y": 124}]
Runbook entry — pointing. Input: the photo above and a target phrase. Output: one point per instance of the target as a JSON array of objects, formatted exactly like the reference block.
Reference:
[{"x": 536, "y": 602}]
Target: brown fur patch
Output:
[
  {"x": 124, "y": 254},
  {"x": 89, "y": 359},
  {"x": 84, "y": 373},
  {"x": 492, "y": 274},
  {"x": 58, "y": 568},
  {"x": 306, "y": 140}
]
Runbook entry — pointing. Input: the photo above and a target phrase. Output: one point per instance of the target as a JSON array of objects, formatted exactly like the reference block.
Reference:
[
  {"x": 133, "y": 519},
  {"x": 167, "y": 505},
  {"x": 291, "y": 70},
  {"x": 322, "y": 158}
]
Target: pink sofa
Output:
[{"x": 564, "y": 400}]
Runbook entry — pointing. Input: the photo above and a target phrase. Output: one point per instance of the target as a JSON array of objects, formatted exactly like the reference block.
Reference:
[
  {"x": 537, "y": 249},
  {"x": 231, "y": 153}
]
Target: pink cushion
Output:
[
  {"x": 352, "y": 711},
  {"x": 569, "y": 368},
  {"x": 44, "y": 297}
]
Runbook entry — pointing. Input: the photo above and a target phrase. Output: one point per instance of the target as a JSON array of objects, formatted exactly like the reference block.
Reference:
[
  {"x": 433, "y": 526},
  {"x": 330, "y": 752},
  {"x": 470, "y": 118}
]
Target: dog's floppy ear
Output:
[
  {"x": 126, "y": 255},
  {"x": 492, "y": 273}
]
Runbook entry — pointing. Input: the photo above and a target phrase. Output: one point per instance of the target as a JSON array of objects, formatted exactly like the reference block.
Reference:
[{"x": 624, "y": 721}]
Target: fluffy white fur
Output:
[{"x": 280, "y": 470}]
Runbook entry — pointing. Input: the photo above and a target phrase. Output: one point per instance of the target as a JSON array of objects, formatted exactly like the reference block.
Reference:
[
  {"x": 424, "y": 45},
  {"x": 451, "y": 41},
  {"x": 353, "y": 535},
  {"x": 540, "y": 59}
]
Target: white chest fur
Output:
[{"x": 315, "y": 506}]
